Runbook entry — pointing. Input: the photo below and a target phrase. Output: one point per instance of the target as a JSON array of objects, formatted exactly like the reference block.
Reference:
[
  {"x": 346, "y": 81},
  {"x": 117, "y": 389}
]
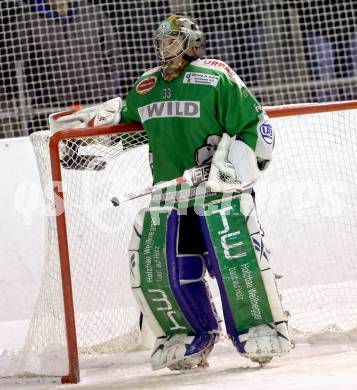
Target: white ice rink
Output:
[{"x": 309, "y": 367}]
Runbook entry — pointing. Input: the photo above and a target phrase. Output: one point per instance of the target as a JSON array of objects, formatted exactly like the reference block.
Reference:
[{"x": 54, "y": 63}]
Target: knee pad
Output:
[{"x": 169, "y": 287}]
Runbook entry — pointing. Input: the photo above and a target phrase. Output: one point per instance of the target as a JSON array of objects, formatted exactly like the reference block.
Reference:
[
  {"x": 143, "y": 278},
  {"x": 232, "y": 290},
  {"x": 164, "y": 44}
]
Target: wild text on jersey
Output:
[{"x": 174, "y": 108}]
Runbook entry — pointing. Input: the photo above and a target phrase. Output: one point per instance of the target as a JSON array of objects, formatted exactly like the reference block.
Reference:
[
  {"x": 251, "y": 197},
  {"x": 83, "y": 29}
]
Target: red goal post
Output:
[{"x": 73, "y": 370}]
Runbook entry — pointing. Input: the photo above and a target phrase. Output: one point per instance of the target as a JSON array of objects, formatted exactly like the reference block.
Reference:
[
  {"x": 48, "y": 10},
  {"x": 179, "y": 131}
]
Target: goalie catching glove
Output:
[
  {"x": 234, "y": 166},
  {"x": 107, "y": 113}
]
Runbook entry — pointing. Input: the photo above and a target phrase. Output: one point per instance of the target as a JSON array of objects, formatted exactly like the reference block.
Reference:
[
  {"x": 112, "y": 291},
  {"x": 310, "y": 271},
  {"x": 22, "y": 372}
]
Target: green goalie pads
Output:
[{"x": 254, "y": 317}]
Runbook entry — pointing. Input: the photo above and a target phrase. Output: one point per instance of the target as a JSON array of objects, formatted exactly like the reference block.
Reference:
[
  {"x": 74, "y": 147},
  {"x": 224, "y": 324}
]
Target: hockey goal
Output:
[{"x": 306, "y": 202}]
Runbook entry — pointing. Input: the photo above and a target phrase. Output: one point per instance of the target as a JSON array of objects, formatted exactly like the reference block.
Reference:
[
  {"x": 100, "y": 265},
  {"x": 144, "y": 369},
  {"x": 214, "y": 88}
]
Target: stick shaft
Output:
[{"x": 195, "y": 175}]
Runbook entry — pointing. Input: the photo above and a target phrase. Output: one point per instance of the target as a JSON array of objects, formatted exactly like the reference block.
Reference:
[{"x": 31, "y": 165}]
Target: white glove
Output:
[
  {"x": 244, "y": 161},
  {"x": 222, "y": 176},
  {"x": 107, "y": 113}
]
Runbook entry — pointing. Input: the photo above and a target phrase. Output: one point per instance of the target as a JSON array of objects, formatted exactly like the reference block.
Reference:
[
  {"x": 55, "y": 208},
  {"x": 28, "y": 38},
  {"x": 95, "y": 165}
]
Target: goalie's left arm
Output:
[{"x": 251, "y": 143}]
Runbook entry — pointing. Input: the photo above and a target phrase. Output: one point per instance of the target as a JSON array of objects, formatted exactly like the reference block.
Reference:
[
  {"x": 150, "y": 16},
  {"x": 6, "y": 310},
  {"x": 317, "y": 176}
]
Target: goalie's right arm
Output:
[{"x": 107, "y": 113}]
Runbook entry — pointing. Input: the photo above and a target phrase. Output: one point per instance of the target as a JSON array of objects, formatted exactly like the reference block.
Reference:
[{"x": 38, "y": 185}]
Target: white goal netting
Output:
[
  {"x": 306, "y": 202},
  {"x": 106, "y": 315},
  {"x": 286, "y": 51},
  {"x": 307, "y": 205}
]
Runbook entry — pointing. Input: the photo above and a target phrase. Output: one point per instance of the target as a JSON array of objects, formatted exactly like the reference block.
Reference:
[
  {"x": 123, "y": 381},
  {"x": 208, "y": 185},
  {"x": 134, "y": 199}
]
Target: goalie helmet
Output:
[{"x": 178, "y": 40}]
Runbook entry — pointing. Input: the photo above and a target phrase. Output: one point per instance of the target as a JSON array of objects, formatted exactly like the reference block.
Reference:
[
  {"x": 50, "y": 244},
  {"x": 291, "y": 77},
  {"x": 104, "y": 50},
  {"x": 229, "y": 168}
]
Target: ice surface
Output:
[
  {"x": 321, "y": 362},
  {"x": 315, "y": 367}
]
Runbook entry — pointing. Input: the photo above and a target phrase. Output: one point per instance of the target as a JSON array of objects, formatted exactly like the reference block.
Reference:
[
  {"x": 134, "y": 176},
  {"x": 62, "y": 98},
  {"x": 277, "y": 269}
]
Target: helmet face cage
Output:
[
  {"x": 175, "y": 36},
  {"x": 170, "y": 46}
]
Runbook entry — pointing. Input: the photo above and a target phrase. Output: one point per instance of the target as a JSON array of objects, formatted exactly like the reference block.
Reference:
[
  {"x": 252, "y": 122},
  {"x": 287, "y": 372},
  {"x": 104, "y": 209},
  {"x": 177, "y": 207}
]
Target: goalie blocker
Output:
[
  {"x": 170, "y": 288},
  {"x": 107, "y": 113}
]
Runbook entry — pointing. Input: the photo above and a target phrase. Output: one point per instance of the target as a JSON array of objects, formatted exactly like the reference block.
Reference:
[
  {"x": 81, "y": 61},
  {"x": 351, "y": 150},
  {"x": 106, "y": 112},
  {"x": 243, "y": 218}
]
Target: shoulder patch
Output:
[
  {"x": 200, "y": 78},
  {"x": 146, "y": 85},
  {"x": 266, "y": 131}
]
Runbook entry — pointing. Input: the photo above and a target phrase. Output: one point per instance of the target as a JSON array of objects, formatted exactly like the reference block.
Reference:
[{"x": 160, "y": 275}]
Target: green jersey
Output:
[{"x": 183, "y": 117}]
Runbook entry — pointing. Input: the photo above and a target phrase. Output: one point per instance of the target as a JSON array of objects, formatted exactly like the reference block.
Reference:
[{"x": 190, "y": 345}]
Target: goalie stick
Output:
[{"x": 194, "y": 175}]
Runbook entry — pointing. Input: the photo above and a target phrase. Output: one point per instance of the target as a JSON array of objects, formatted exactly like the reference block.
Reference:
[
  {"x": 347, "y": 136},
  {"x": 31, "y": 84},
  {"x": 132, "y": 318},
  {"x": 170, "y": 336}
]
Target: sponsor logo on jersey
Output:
[
  {"x": 146, "y": 85},
  {"x": 226, "y": 68},
  {"x": 169, "y": 109},
  {"x": 200, "y": 78},
  {"x": 219, "y": 64},
  {"x": 266, "y": 131}
]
